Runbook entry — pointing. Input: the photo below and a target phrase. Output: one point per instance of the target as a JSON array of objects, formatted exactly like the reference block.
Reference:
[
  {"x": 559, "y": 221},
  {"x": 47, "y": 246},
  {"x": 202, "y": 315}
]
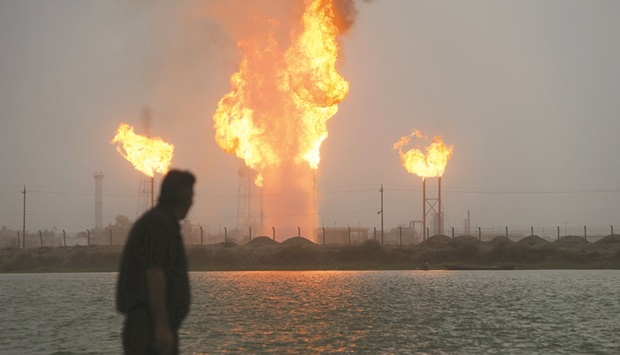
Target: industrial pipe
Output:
[
  {"x": 585, "y": 233},
  {"x": 349, "y": 235}
]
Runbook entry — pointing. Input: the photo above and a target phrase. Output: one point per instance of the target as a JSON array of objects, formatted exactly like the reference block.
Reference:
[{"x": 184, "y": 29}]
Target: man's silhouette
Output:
[{"x": 153, "y": 284}]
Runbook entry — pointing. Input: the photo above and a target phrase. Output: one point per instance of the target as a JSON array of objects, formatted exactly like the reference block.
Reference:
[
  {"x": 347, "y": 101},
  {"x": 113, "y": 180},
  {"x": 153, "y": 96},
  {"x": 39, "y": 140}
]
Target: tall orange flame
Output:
[
  {"x": 431, "y": 164},
  {"x": 275, "y": 116},
  {"x": 147, "y": 155},
  {"x": 281, "y": 100}
]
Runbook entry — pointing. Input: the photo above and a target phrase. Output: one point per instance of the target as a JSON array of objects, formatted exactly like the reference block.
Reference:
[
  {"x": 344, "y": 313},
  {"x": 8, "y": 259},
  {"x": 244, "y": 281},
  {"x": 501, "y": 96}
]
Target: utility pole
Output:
[
  {"x": 381, "y": 212},
  {"x": 24, "y": 220},
  {"x": 98, "y": 200},
  {"x": 146, "y": 120},
  {"x": 424, "y": 231},
  {"x": 468, "y": 223}
]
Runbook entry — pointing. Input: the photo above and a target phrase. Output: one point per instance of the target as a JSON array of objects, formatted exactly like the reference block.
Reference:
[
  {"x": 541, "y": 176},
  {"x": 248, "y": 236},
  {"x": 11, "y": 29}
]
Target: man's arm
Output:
[{"x": 156, "y": 284}]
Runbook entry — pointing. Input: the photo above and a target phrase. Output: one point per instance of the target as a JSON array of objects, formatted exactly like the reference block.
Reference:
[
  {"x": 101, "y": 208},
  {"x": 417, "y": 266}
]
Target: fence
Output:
[
  {"x": 549, "y": 233},
  {"x": 202, "y": 235}
]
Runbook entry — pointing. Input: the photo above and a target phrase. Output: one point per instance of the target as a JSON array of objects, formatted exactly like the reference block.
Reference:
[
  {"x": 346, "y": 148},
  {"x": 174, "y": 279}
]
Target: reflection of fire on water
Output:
[
  {"x": 147, "y": 154},
  {"x": 274, "y": 117}
]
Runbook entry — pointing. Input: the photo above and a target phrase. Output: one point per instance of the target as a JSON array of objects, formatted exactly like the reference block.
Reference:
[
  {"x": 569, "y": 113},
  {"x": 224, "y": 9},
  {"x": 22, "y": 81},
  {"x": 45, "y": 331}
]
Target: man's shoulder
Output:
[
  {"x": 154, "y": 223},
  {"x": 156, "y": 216}
]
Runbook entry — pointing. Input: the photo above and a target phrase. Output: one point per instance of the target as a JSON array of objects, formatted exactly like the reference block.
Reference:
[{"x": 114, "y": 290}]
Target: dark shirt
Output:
[{"x": 154, "y": 242}]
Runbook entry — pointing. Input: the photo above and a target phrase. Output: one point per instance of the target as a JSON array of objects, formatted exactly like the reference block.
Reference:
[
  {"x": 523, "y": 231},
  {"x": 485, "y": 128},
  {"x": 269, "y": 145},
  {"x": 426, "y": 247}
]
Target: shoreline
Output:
[{"x": 295, "y": 254}]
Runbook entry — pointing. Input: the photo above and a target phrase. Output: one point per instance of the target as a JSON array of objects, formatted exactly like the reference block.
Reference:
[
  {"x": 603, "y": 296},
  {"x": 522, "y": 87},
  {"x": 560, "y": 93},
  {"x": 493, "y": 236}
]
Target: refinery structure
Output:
[
  {"x": 251, "y": 223},
  {"x": 274, "y": 119}
]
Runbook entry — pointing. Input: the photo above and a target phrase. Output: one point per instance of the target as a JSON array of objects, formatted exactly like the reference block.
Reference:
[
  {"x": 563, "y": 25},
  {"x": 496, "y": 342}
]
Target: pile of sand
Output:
[
  {"x": 572, "y": 240},
  {"x": 609, "y": 240},
  {"x": 500, "y": 240},
  {"x": 465, "y": 239},
  {"x": 609, "y": 244},
  {"x": 573, "y": 243},
  {"x": 261, "y": 242},
  {"x": 298, "y": 241},
  {"x": 436, "y": 241},
  {"x": 534, "y": 241},
  {"x": 228, "y": 244}
]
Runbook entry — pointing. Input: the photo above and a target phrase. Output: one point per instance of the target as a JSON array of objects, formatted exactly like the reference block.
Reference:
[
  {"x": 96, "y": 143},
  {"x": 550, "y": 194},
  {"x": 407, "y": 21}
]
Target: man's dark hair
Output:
[{"x": 174, "y": 185}]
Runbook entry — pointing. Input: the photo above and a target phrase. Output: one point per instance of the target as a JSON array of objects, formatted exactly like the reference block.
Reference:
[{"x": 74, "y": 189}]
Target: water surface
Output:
[{"x": 464, "y": 312}]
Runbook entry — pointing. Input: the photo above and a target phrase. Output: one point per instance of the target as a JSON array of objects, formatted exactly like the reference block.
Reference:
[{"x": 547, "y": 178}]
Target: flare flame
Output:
[
  {"x": 431, "y": 164},
  {"x": 281, "y": 100},
  {"x": 148, "y": 155},
  {"x": 275, "y": 116}
]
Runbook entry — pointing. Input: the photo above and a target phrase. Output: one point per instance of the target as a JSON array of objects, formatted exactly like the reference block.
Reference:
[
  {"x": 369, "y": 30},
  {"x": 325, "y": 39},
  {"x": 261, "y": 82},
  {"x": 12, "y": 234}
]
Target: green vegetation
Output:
[{"x": 301, "y": 254}]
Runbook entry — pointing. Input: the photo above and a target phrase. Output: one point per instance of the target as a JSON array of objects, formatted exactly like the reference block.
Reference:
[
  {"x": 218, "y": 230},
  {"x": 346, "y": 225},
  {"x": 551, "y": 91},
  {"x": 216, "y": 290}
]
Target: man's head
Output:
[{"x": 177, "y": 192}]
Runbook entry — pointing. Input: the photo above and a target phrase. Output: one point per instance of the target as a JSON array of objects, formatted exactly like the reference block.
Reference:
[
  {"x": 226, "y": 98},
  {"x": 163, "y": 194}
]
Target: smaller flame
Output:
[
  {"x": 431, "y": 164},
  {"x": 147, "y": 154}
]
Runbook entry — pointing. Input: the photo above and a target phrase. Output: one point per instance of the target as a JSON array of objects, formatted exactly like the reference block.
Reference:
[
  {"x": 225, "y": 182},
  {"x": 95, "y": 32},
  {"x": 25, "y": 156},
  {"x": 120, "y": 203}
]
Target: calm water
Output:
[{"x": 404, "y": 312}]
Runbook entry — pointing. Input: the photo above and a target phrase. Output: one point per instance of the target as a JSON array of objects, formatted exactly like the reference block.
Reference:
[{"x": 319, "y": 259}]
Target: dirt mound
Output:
[
  {"x": 464, "y": 242},
  {"x": 500, "y": 240},
  {"x": 533, "y": 241},
  {"x": 436, "y": 241},
  {"x": 610, "y": 239},
  {"x": 262, "y": 241},
  {"x": 298, "y": 241},
  {"x": 465, "y": 239},
  {"x": 571, "y": 240},
  {"x": 228, "y": 244},
  {"x": 573, "y": 243}
]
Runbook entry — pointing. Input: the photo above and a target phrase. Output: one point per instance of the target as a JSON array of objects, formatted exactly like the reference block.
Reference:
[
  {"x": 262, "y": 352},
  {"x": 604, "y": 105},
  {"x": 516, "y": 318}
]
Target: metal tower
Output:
[
  {"x": 145, "y": 194},
  {"x": 146, "y": 190},
  {"x": 434, "y": 207},
  {"x": 98, "y": 199},
  {"x": 249, "y": 200}
]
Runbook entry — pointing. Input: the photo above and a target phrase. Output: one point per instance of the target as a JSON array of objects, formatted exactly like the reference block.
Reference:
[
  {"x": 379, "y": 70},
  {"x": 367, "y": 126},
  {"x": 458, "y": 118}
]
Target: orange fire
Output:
[
  {"x": 431, "y": 164},
  {"x": 148, "y": 155},
  {"x": 275, "y": 116}
]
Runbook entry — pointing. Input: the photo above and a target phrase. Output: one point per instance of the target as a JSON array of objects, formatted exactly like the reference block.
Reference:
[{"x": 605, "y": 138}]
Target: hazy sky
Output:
[{"x": 525, "y": 90}]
